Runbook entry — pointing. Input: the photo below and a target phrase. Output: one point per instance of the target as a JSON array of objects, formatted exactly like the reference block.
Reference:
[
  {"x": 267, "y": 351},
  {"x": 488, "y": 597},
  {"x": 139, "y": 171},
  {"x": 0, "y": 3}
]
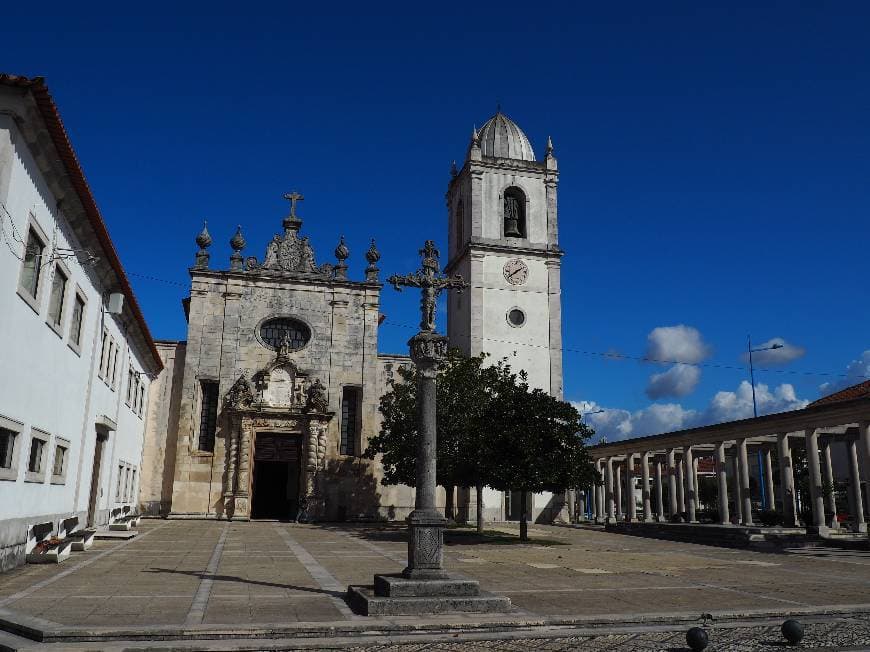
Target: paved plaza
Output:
[{"x": 273, "y": 580}]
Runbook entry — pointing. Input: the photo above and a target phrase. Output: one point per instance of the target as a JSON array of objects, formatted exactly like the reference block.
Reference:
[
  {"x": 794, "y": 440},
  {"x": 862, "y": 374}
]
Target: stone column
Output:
[
  {"x": 672, "y": 483},
  {"x": 241, "y": 500},
  {"x": 691, "y": 489},
  {"x": 660, "y": 502},
  {"x": 855, "y": 486},
  {"x": 722, "y": 482},
  {"x": 630, "y": 505},
  {"x": 232, "y": 464},
  {"x": 830, "y": 498},
  {"x": 611, "y": 508},
  {"x": 681, "y": 486},
  {"x": 426, "y": 525},
  {"x": 815, "y": 476},
  {"x": 571, "y": 499},
  {"x": 644, "y": 478},
  {"x": 738, "y": 501},
  {"x": 864, "y": 452},
  {"x": 786, "y": 482},
  {"x": 580, "y": 516},
  {"x": 770, "y": 499},
  {"x": 696, "y": 483},
  {"x": 597, "y": 503},
  {"x": 745, "y": 494},
  {"x": 619, "y": 509}
]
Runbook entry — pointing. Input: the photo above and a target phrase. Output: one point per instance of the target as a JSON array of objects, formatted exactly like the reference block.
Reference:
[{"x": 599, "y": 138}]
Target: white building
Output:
[
  {"x": 504, "y": 240},
  {"x": 75, "y": 351}
]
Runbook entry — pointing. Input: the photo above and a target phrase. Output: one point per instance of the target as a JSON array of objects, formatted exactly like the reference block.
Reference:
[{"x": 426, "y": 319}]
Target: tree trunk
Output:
[
  {"x": 449, "y": 503},
  {"x": 479, "y": 508},
  {"x": 524, "y": 525}
]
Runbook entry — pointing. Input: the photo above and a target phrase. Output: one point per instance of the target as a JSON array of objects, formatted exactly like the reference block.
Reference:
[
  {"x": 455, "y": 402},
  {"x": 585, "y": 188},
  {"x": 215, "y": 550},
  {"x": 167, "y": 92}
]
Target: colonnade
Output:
[{"x": 667, "y": 466}]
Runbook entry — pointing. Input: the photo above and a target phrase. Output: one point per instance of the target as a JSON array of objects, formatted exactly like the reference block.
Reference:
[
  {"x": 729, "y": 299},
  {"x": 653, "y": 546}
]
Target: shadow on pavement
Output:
[{"x": 242, "y": 580}]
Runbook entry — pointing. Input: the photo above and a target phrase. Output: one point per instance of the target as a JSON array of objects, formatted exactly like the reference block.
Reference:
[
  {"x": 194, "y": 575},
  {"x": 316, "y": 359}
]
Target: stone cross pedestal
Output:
[{"x": 425, "y": 587}]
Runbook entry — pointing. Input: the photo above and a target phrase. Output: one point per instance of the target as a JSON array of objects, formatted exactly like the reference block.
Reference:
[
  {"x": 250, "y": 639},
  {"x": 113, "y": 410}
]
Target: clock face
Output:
[{"x": 516, "y": 272}]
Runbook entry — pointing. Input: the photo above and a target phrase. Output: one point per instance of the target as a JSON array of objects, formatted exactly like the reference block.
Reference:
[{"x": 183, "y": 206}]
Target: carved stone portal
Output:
[{"x": 283, "y": 399}]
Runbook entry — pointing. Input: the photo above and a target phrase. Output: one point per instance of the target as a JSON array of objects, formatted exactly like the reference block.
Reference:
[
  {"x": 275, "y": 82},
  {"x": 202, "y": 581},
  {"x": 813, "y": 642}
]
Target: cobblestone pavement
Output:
[
  {"x": 210, "y": 573},
  {"x": 846, "y": 634}
]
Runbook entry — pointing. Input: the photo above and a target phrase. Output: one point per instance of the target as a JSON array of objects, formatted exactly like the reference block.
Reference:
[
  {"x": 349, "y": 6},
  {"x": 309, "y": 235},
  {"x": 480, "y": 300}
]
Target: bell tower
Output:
[{"x": 503, "y": 239}]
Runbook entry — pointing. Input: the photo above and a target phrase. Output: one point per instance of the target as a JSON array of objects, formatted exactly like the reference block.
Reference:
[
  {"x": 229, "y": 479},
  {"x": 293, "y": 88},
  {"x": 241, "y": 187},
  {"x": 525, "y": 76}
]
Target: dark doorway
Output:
[
  {"x": 96, "y": 491},
  {"x": 276, "y": 476},
  {"x": 514, "y": 503}
]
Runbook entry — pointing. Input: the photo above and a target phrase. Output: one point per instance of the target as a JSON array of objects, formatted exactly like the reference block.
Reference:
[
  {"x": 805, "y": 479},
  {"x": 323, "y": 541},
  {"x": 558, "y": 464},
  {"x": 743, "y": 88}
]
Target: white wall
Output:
[{"x": 47, "y": 384}]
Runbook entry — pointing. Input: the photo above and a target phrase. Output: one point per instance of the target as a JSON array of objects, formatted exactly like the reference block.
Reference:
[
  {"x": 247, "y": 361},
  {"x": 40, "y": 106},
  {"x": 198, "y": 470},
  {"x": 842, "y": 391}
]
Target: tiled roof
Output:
[
  {"x": 855, "y": 391},
  {"x": 50, "y": 114}
]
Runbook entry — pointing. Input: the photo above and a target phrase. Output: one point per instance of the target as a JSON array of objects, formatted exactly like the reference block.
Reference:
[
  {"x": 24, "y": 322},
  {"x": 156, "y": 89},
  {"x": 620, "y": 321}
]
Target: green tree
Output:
[
  {"x": 536, "y": 442},
  {"x": 464, "y": 391},
  {"x": 493, "y": 430}
]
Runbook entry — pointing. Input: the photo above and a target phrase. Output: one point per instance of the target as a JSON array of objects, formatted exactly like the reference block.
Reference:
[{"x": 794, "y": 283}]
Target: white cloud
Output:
[
  {"x": 729, "y": 406},
  {"x": 657, "y": 418},
  {"x": 679, "y": 380},
  {"x": 681, "y": 344},
  {"x": 783, "y": 355},
  {"x": 678, "y": 344},
  {"x": 857, "y": 371}
]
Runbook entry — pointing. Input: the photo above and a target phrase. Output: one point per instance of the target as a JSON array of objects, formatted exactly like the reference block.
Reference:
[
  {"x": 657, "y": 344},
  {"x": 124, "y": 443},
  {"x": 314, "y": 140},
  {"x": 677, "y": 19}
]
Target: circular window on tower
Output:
[
  {"x": 273, "y": 332},
  {"x": 516, "y": 317}
]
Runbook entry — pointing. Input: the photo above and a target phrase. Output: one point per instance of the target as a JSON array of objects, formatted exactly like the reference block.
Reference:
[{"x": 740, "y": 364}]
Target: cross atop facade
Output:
[
  {"x": 431, "y": 283},
  {"x": 293, "y": 197}
]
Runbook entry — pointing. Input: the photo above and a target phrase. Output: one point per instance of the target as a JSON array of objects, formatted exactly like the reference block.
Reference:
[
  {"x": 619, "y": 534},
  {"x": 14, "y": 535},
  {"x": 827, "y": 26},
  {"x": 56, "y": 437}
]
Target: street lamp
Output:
[
  {"x": 752, "y": 371},
  {"x": 764, "y": 499}
]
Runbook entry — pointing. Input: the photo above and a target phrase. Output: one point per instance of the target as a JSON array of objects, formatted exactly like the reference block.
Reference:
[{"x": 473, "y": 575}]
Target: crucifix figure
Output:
[
  {"x": 293, "y": 197},
  {"x": 430, "y": 283}
]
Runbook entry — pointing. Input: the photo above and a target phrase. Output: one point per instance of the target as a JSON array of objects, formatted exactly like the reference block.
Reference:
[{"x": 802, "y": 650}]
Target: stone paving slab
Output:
[{"x": 195, "y": 578}]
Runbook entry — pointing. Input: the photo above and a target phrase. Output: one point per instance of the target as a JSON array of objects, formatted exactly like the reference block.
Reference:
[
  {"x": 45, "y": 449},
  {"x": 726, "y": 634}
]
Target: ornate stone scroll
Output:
[{"x": 240, "y": 395}]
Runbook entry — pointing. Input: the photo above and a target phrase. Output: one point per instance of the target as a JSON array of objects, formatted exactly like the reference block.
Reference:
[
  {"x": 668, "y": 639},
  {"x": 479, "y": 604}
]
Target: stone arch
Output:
[{"x": 514, "y": 213}]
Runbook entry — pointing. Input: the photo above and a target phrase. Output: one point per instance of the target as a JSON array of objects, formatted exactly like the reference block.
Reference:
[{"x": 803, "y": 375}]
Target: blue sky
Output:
[{"x": 714, "y": 163}]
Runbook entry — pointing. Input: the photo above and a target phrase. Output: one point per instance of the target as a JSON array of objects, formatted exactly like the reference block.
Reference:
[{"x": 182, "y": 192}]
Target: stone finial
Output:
[
  {"x": 203, "y": 240},
  {"x": 474, "y": 152},
  {"x": 372, "y": 256},
  {"x": 237, "y": 242},
  {"x": 341, "y": 254},
  {"x": 453, "y": 170},
  {"x": 549, "y": 159}
]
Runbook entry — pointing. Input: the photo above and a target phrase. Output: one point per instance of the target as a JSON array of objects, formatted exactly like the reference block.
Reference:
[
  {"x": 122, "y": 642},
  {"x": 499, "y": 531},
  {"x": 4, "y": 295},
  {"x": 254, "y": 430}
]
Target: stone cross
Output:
[
  {"x": 425, "y": 523},
  {"x": 293, "y": 197},
  {"x": 430, "y": 283}
]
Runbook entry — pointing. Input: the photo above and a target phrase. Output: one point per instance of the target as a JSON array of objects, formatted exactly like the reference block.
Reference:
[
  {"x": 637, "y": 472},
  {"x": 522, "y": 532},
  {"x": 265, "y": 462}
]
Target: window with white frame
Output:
[
  {"x": 31, "y": 265},
  {"x": 130, "y": 375},
  {"x": 104, "y": 353},
  {"x": 132, "y": 495},
  {"x": 135, "y": 404},
  {"x": 76, "y": 323},
  {"x": 10, "y": 438},
  {"x": 120, "y": 482},
  {"x": 110, "y": 355},
  {"x": 113, "y": 368},
  {"x": 57, "y": 297},
  {"x": 36, "y": 456},
  {"x": 141, "y": 400},
  {"x": 58, "y": 467}
]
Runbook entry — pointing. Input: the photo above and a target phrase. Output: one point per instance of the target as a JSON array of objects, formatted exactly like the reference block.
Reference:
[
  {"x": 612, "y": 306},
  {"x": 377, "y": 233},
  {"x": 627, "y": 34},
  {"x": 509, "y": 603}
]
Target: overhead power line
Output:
[{"x": 611, "y": 355}]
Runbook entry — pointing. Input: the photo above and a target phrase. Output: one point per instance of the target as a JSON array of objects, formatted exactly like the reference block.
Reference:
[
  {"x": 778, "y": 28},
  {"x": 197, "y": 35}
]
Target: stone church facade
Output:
[{"x": 267, "y": 406}]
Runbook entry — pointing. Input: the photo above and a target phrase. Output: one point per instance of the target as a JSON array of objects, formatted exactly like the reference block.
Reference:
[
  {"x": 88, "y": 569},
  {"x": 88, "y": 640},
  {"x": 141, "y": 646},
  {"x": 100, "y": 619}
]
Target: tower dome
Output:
[{"x": 500, "y": 137}]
